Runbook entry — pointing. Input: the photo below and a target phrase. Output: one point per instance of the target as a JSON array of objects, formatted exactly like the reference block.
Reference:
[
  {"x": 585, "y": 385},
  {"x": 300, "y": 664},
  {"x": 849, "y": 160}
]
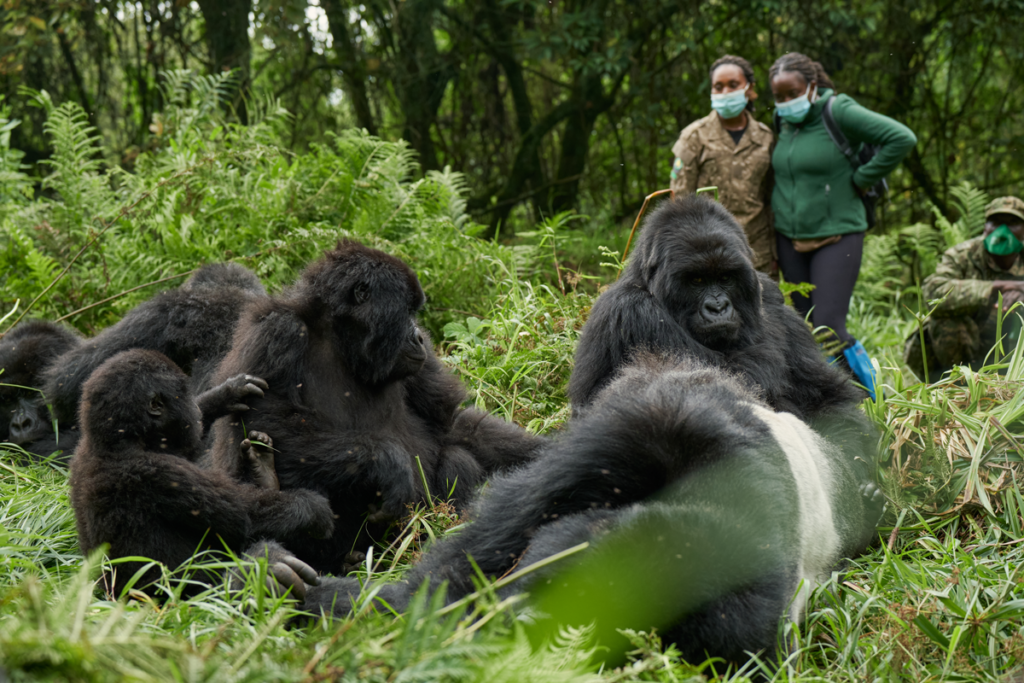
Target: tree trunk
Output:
[
  {"x": 353, "y": 66},
  {"x": 503, "y": 51},
  {"x": 227, "y": 38},
  {"x": 421, "y": 77},
  {"x": 590, "y": 102}
]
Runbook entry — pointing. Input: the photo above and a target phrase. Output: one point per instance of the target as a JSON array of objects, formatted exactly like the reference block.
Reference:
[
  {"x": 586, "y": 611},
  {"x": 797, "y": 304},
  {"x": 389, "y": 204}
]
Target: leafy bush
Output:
[{"x": 211, "y": 191}]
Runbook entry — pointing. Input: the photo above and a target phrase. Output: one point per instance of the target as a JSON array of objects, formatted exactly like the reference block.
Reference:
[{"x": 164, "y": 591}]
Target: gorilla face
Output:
[
  {"x": 140, "y": 398},
  {"x": 712, "y": 296},
  {"x": 371, "y": 300},
  {"x": 24, "y": 353},
  {"x": 29, "y": 417},
  {"x": 703, "y": 275}
]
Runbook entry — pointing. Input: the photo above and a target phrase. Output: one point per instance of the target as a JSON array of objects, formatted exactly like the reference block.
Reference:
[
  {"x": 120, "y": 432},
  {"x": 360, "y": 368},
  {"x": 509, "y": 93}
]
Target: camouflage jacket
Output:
[
  {"x": 706, "y": 155},
  {"x": 965, "y": 274}
]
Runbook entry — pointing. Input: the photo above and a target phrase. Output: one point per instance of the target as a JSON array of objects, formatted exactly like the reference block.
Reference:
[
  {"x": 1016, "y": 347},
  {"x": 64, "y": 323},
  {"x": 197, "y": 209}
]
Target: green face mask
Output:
[{"x": 1002, "y": 242}]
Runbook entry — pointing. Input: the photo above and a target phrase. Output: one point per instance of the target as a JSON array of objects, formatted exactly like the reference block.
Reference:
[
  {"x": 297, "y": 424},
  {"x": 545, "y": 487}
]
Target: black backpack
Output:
[{"x": 856, "y": 158}]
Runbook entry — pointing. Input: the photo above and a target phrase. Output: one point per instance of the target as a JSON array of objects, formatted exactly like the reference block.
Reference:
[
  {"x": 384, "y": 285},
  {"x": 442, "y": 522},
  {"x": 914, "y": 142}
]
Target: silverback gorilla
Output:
[
  {"x": 135, "y": 484},
  {"x": 690, "y": 289},
  {"x": 703, "y": 508},
  {"x": 25, "y": 420},
  {"x": 356, "y": 395},
  {"x": 192, "y": 325}
]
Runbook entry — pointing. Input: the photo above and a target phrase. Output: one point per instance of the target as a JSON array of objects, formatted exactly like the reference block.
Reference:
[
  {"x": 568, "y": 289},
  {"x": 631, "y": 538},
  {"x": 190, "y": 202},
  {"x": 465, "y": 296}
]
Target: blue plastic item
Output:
[{"x": 860, "y": 362}]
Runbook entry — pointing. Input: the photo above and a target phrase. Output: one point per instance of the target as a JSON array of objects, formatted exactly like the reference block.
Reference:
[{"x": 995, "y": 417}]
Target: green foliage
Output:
[
  {"x": 210, "y": 190},
  {"x": 970, "y": 203}
]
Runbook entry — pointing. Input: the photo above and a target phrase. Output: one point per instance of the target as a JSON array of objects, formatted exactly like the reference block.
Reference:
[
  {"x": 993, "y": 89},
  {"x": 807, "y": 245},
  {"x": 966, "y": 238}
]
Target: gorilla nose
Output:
[
  {"x": 417, "y": 337},
  {"x": 23, "y": 425},
  {"x": 717, "y": 307}
]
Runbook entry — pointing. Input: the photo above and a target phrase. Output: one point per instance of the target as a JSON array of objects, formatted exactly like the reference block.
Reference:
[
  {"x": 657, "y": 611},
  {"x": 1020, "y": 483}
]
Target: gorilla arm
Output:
[
  {"x": 229, "y": 397},
  {"x": 624, "y": 320},
  {"x": 184, "y": 494},
  {"x": 474, "y": 443}
]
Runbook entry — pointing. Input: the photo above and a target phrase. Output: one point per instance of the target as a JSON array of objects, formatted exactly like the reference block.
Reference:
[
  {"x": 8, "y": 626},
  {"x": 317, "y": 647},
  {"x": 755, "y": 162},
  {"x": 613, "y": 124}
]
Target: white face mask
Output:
[
  {"x": 731, "y": 104},
  {"x": 795, "y": 110}
]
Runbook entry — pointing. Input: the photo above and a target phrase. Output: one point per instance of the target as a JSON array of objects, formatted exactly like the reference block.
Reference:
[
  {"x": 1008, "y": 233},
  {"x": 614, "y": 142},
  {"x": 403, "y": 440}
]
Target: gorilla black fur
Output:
[
  {"x": 25, "y": 353},
  {"x": 356, "y": 394},
  {"x": 135, "y": 484},
  {"x": 703, "y": 508},
  {"x": 191, "y": 325},
  {"x": 690, "y": 288}
]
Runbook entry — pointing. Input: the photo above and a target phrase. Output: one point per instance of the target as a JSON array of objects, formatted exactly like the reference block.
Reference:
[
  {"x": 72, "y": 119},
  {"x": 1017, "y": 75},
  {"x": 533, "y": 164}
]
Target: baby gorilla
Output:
[{"x": 135, "y": 484}]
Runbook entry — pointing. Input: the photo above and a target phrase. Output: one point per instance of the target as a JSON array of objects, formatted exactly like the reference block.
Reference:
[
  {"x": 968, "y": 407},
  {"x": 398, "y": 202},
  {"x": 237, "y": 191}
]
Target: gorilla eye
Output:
[
  {"x": 156, "y": 406},
  {"x": 697, "y": 280},
  {"x": 361, "y": 293}
]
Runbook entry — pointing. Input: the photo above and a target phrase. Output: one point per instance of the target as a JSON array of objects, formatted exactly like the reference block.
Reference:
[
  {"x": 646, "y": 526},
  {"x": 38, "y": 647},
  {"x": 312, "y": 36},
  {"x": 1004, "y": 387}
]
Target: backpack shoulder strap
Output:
[
  {"x": 834, "y": 132},
  {"x": 776, "y": 122}
]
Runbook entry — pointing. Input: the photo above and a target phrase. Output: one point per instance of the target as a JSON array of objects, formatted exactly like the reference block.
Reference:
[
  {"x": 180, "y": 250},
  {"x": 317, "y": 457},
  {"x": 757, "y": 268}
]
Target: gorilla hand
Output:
[
  {"x": 229, "y": 397},
  {"x": 284, "y": 571},
  {"x": 258, "y": 456}
]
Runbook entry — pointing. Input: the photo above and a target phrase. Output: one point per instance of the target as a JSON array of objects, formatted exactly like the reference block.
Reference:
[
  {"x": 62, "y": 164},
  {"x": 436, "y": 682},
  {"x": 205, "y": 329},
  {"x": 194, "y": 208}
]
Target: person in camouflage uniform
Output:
[
  {"x": 730, "y": 150},
  {"x": 962, "y": 328}
]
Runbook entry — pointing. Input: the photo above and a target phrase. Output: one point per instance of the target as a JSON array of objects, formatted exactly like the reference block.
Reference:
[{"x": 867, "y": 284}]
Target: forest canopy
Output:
[{"x": 544, "y": 107}]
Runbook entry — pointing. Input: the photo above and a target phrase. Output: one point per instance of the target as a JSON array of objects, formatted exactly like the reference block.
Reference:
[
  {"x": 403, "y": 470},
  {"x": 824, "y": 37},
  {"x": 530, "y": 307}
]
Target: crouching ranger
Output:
[{"x": 967, "y": 282}]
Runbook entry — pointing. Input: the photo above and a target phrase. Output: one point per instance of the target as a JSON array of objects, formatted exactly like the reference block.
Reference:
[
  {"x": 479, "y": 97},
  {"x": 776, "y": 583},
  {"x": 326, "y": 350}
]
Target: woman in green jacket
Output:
[{"x": 820, "y": 217}]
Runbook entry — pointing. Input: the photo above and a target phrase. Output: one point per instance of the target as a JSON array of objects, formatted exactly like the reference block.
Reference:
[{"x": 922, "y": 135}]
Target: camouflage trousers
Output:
[{"x": 956, "y": 341}]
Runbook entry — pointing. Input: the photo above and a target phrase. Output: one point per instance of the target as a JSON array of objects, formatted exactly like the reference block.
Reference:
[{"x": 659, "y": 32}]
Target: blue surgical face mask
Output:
[
  {"x": 795, "y": 110},
  {"x": 731, "y": 104}
]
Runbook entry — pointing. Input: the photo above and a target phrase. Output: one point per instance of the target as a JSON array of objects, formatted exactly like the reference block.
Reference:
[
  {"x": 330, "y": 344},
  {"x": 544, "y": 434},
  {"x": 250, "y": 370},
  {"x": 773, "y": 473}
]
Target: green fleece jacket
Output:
[{"x": 814, "y": 195}]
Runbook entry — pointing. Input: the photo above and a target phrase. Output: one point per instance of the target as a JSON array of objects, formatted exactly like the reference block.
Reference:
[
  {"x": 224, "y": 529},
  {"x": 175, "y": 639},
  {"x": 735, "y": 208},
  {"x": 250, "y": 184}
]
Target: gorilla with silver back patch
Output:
[
  {"x": 705, "y": 511},
  {"x": 690, "y": 289},
  {"x": 136, "y": 484},
  {"x": 356, "y": 395},
  {"x": 25, "y": 421}
]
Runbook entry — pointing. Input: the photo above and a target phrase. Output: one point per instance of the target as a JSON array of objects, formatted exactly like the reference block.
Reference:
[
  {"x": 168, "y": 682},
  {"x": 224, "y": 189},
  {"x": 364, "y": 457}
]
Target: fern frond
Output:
[
  {"x": 75, "y": 143},
  {"x": 175, "y": 86},
  {"x": 213, "y": 89},
  {"x": 970, "y": 202}
]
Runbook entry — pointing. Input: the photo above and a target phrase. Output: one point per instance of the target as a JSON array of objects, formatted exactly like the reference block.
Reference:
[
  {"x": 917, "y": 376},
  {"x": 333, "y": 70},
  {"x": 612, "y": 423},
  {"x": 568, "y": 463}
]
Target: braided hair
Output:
[
  {"x": 803, "y": 65},
  {"x": 745, "y": 67}
]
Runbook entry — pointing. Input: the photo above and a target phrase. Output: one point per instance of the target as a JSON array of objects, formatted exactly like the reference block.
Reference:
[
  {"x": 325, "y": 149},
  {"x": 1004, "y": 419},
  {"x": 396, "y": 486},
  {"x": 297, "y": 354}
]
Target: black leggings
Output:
[{"x": 833, "y": 271}]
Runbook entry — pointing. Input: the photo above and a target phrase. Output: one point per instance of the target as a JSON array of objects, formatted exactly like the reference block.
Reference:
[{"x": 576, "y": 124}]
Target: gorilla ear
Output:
[
  {"x": 360, "y": 293},
  {"x": 156, "y": 405}
]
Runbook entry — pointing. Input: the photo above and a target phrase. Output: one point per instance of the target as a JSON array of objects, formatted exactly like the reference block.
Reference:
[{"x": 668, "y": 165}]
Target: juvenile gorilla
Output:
[
  {"x": 704, "y": 510},
  {"x": 191, "y": 325},
  {"x": 25, "y": 353},
  {"x": 690, "y": 289},
  {"x": 135, "y": 484},
  {"x": 356, "y": 395}
]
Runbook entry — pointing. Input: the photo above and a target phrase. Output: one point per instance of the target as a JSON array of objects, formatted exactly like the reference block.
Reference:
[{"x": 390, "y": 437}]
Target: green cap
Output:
[{"x": 1010, "y": 205}]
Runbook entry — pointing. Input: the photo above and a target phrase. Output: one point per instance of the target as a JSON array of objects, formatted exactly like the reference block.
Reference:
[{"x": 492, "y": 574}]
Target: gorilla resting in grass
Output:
[
  {"x": 25, "y": 353},
  {"x": 708, "y": 515},
  {"x": 356, "y": 396},
  {"x": 690, "y": 289},
  {"x": 191, "y": 325},
  {"x": 135, "y": 484}
]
